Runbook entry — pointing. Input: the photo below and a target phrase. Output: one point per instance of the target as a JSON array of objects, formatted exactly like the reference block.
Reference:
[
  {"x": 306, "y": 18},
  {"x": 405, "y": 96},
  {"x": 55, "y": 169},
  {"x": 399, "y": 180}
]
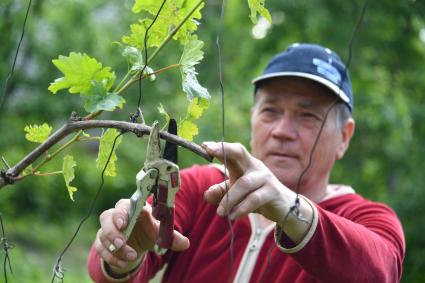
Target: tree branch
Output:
[{"x": 71, "y": 126}]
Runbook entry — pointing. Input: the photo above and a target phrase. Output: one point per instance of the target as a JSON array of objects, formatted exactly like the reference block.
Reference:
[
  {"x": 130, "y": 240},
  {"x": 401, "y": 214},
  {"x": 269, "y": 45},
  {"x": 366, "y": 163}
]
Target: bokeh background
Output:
[{"x": 384, "y": 163}]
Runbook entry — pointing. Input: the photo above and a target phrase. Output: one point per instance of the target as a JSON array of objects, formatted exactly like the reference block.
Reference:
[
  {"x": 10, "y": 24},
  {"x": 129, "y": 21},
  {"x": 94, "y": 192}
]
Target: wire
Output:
[
  {"x": 6, "y": 83},
  {"x": 220, "y": 78},
  {"x": 58, "y": 272},
  {"x": 294, "y": 209},
  {"x": 6, "y": 247},
  {"x": 145, "y": 52}
]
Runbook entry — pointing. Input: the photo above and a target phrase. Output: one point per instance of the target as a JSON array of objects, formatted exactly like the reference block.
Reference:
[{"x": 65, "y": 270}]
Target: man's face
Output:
[{"x": 286, "y": 120}]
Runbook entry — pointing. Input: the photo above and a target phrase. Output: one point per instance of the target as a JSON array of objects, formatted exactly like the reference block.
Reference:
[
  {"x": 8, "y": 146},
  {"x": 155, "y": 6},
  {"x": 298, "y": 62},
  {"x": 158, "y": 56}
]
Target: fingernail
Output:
[
  {"x": 118, "y": 243},
  {"x": 131, "y": 256},
  {"x": 209, "y": 145},
  {"x": 120, "y": 222}
]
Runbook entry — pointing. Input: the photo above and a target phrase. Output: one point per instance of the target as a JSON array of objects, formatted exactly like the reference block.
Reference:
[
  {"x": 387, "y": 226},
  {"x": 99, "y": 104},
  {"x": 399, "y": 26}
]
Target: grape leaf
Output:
[
  {"x": 68, "y": 174},
  {"x": 164, "y": 113},
  {"x": 257, "y": 6},
  {"x": 196, "y": 107},
  {"x": 171, "y": 15},
  {"x": 192, "y": 52},
  {"x": 135, "y": 59},
  {"x": 79, "y": 71},
  {"x": 133, "y": 55},
  {"x": 191, "y": 86},
  {"x": 100, "y": 99},
  {"x": 105, "y": 146},
  {"x": 192, "y": 55},
  {"x": 36, "y": 133},
  {"x": 187, "y": 130},
  {"x": 137, "y": 37}
]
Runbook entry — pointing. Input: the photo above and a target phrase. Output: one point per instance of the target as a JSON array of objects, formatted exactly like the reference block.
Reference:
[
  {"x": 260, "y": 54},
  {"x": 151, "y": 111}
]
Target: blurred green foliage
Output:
[{"x": 387, "y": 69}]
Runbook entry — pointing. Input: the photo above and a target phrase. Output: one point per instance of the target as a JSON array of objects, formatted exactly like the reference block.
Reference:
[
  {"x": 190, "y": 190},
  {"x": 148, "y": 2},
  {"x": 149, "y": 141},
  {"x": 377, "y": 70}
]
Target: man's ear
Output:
[{"x": 346, "y": 132}]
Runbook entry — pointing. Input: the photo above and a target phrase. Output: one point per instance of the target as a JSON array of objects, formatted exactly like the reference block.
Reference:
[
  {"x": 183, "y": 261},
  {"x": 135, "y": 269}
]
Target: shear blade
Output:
[
  {"x": 154, "y": 147},
  {"x": 170, "y": 150}
]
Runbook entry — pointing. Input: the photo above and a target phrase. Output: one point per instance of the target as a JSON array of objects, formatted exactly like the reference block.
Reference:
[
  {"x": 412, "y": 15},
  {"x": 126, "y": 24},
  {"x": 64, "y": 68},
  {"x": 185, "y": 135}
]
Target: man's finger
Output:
[
  {"x": 120, "y": 218},
  {"x": 237, "y": 157},
  {"x": 180, "y": 242},
  {"x": 216, "y": 192},
  {"x": 106, "y": 255},
  {"x": 242, "y": 187}
]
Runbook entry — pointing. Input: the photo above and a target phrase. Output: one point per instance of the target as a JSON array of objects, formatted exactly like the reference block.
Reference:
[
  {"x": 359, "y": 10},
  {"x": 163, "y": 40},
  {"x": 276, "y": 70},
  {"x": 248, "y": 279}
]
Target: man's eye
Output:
[
  {"x": 269, "y": 110},
  {"x": 309, "y": 115}
]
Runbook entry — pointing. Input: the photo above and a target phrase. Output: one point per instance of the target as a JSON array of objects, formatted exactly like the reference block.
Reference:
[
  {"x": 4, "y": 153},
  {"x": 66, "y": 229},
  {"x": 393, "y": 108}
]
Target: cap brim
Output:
[{"x": 336, "y": 89}]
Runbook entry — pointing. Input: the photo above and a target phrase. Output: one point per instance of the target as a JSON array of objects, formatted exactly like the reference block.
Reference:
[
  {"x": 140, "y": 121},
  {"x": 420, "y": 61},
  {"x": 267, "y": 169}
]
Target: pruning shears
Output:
[{"x": 159, "y": 177}]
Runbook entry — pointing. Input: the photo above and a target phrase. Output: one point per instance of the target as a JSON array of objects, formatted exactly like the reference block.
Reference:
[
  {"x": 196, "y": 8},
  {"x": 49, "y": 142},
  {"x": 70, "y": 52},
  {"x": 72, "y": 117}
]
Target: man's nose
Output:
[{"x": 285, "y": 128}]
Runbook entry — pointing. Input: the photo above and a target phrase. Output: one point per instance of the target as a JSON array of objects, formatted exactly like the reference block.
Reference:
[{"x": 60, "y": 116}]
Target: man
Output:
[{"x": 301, "y": 124}]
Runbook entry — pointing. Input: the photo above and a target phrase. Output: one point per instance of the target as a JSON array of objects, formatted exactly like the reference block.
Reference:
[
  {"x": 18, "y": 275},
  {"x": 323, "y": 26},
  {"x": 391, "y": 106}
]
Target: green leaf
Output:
[
  {"x": 105, "y": 146},
  {"x": 191, "y": 86},
  {"x": 79, "y": 71},
  {"x": 257, "y": 6},
  {"x": 188, "y": 130},
  {"x": 171, "y": 15},
  {"x": 99, "y": 99},
  {"x": 68, "y": 174},
  {"x": 135, "y": 59},
  {"x": 191, "y": 56},
  {"x": 36, "y": 133},
  {"x": 151, "y": 6},
  {"x": 137, "y": 37},
  {"x": 164, "y": 113},
  {"x": 196, "y": 107},
  {"x": 192, "y": 53}
]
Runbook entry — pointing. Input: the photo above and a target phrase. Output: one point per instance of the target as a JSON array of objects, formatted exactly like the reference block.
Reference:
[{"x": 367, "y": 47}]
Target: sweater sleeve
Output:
[
  {"x": 361, "y": 242},
  {"x": 194, "y": 182}
]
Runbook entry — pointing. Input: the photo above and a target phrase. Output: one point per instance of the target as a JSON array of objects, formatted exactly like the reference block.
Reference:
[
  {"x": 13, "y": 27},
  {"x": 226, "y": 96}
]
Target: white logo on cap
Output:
[{"x": 327, "y": 70}]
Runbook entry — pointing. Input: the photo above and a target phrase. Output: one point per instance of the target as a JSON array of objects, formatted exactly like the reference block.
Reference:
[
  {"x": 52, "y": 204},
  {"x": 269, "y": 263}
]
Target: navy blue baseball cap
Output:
[{"x": 313, "y": 62}]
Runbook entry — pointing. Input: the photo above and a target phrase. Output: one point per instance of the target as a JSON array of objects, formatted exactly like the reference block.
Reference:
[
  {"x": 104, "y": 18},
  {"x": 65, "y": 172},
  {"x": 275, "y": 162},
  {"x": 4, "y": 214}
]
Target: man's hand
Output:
[
  {"x": 120, "y": 255},
  {"x": 252, "y": 187}
]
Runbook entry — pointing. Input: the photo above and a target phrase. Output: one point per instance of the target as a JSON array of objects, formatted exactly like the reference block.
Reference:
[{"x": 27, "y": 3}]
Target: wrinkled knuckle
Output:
[
  {"x": 245, "y": 181},
  {"x": 244, "y": 209},
  {"x": 267, "y": 175},
  {"x": 110, "y": 234},
  {"x": 255, "y": 199},
  {"x": 241, "y": 149}
]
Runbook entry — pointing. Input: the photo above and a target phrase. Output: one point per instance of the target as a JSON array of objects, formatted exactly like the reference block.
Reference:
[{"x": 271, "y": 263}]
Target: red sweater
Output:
[{"x": 355, "y": 240}]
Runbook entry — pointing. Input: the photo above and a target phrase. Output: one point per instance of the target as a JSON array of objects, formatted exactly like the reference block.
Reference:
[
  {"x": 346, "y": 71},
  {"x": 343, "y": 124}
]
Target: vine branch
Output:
[{"x": 12, "y": 174}]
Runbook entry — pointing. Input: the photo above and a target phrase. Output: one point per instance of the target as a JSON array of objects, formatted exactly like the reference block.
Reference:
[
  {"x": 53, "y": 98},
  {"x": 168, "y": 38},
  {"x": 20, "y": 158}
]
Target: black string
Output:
[
  {"x": 139, "y": 112},
  {"x": 58, "y": 272},
  {"x": 12, "y": 70},
  {"x": 294, "y": 209},
  {"x": 6, "y": 246},
  {"x": 220, "y": 78}
]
